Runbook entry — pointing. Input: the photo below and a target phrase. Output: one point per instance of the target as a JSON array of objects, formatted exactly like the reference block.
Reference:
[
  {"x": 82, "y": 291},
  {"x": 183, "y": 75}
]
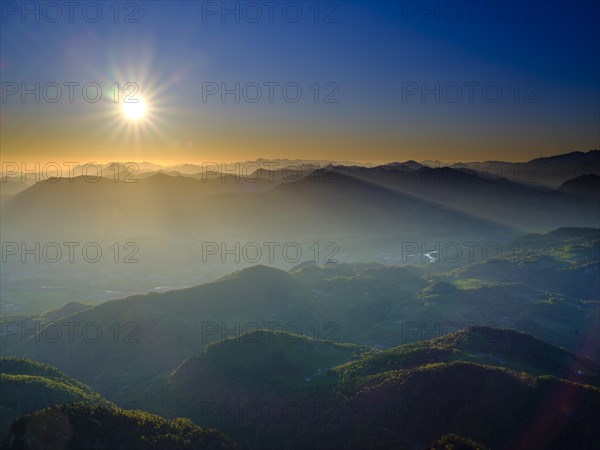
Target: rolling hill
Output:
[
  {"x": 484, "y": 345},
  {"x": 273, "y": 390},
  {"x": 145, "y": 336},
  {"x": 79, "y": 426},
  {"x": 27, "y": 385}
]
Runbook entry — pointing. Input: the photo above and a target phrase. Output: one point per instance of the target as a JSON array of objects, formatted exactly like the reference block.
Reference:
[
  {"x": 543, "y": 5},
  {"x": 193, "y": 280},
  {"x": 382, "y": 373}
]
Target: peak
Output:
[
  {"x": 303, "y": 265},
  {"x": 259, "y": 270},
  {"x": 66, "y": 310},
  {"x": 263, "y": 336},
  {"x": 160, "y": 176}
]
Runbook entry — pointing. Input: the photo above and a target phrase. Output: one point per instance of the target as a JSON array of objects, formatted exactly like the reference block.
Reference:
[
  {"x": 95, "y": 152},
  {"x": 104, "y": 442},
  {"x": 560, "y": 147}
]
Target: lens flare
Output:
[{"x": 134, "y": 111}]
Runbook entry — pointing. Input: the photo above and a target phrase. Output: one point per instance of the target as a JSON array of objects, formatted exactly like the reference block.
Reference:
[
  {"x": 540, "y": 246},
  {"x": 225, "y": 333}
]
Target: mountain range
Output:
[
  {"x": 550, "y": 295},
  {"x": 474, "y": 389}
]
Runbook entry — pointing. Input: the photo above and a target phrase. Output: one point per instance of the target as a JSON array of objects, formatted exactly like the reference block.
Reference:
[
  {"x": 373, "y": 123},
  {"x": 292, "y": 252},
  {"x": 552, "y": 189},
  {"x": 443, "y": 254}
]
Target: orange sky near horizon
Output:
[{"x": 21, "y": 145}]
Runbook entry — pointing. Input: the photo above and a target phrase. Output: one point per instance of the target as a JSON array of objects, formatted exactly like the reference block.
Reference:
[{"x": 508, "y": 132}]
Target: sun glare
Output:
[
  {"x": 134, "y": 111},
  {"x": 137, "y": 124}
]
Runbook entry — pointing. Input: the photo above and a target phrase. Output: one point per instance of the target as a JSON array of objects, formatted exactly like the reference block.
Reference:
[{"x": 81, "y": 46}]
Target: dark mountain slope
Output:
[
  {"x": 403, "y": 398},
  {"x": 27, "y": 385},
  {"x": 83, "y": 427},
  {"x": 586, "y": 186},
  {"x": 498, "y": 199},
  {"x": 485, "y": 345},
  {"x": 322, "y": 204}
]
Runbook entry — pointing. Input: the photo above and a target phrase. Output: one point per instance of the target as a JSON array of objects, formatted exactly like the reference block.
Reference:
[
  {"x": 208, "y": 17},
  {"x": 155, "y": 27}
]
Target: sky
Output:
[{"x": 374, "y": 81}]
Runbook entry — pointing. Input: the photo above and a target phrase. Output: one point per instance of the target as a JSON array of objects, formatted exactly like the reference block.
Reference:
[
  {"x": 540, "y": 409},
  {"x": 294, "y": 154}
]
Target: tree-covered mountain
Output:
[
  {"x": 484, "y": 345},
  {"x": 80, "y": 426},
  {"x": 144, "y": 336},
  {"x": 273, "y": 360},
  {"x": 275, "y": 390},
  {"x": 564, "y": 261},
  {"x": 27, "y": 385},
  {"x": 478, "y": 388},
  {"x": 335, "y": 355},
  {"x": 42, "y": 408}
]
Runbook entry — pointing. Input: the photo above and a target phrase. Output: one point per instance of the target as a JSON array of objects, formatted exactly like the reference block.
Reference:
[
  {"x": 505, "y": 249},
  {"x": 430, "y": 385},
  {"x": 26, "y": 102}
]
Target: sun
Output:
[{"x": 134, "y": 111}]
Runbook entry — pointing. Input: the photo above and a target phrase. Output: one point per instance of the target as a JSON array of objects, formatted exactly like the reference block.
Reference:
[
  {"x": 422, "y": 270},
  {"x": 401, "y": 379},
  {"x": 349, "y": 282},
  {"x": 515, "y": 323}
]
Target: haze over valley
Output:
[{"x": 299, "y": 225}]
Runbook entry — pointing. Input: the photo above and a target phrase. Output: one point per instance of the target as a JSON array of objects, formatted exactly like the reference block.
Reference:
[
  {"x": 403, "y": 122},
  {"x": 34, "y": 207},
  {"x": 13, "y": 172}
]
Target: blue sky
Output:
[{"x": 368, "y": 52}]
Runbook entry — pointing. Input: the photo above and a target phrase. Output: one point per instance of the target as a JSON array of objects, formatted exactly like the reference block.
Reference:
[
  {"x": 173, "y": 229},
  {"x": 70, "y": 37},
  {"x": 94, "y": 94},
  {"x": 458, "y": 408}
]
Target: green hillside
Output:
[
  {"x": 146, "y": 336},
  {"x": 27, "y": 385},
  {"x": 497, "y": 407},
  {"x": 490, "y": 385},
  {"x": 271, "y": 360},
  {"x": 80, "y": 426},
  {"x": 564, "y": 261},
  {"x": 484, "y": 345}
]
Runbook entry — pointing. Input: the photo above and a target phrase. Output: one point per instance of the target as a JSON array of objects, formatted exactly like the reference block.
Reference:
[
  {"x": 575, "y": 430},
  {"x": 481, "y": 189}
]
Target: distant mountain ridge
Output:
[
  {"x": 548, "y": 170},
  {"x": 587, "y": 186},
  {"x": 431, "y": 201},
  {"x": 325, "y": 203}
]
